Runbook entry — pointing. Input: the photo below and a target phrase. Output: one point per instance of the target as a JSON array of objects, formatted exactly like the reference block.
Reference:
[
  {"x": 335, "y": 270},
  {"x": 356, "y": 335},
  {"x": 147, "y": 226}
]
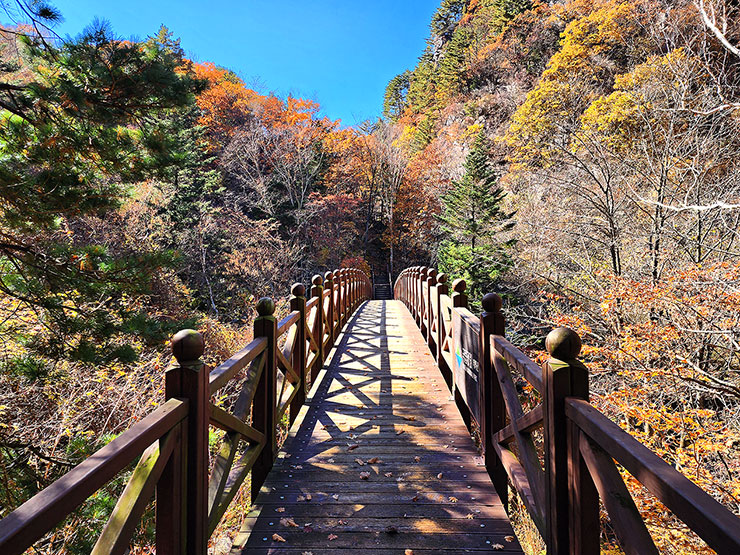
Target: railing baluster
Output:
[
  {"x": 318, "y": 291},
  {"x": 188, "y": 379},
  {"x": 570, "y": 508},
  {"x": 298, "y": 356},
  {"x": 265, "y": 399},
  {"x": 493, "y": 410}
]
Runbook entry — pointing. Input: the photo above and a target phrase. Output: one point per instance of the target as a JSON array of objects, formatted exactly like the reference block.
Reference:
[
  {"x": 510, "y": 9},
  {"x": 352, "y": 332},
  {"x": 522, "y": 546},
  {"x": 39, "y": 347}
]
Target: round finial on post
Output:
[
  {"x": 187, "y": 346},
  {"x": 563, "y": 344},
  {"x": 459, "y": 285},
  {"x": 317, "y": 280},
  {"x": 336, "y": 274},
  {"x": 265, "y": 306},
  {"x": 442, "y": 278},
  {"x": 491, "y": 302},
  {"x": 298, "y": 290}
]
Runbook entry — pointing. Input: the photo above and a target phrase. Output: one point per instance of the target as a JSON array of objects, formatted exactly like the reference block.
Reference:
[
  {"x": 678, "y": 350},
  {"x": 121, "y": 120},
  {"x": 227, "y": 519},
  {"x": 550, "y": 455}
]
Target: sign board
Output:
[{"x": 466, "y": 330}]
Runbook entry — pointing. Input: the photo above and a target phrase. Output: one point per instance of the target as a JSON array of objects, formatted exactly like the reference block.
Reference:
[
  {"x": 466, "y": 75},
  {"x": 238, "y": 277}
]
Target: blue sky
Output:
[{"x": 341, "y": 53}]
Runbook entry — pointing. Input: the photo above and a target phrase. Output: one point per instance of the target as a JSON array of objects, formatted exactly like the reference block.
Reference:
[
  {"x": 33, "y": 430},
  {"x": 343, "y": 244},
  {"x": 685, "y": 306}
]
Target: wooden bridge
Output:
[{"x": 380, "y": 398}]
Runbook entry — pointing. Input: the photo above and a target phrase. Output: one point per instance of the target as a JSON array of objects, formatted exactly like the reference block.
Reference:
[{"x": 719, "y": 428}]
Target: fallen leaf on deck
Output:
[
  {"x": 417, "y": 459},
  {"x": 470, "y": 516},
  {"x": 452, "y": 499},
  {"x": 278, "y": 538},
  {"x": 509, "y": 538},
  {"x": 335, "y": 497},
  {"x": 408, "y": 552},
  {"x": 288, "y": 522},
  {"x": 374, "y": 460},
  {"x": 280, "y": 510},
  {"x": 360, "y": 462},
  {"x": 439, "y": 476},
  {"x": 399, "y": 432},
  {"x": 410, "y": 418},
  {"x": 388, "y": 474},
  {"x": 342, "y": 523},
  {"x": 332, "y": 537},
  {"x": 364, "y": 475},
  {"x": 497, "y": 546},
  {"x": 352, "y": 447},
  {"x": 415, "y": 498},
  {"x": 300, "y": 498},
  {"x": 308, "y": 497}
]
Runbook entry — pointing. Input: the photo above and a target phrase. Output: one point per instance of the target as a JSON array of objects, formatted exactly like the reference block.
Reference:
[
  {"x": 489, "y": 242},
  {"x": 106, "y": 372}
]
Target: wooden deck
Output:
[{"x": 379, "y": 458}]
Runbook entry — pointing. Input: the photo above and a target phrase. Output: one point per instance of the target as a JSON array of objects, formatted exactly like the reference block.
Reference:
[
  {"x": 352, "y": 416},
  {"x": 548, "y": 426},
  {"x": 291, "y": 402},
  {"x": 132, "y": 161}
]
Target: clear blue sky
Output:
[{"x": 341, "y": 53}]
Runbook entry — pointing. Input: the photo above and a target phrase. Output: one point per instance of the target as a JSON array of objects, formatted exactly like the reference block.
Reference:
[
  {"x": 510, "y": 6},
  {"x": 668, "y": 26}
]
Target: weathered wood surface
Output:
[{"x": 381, "y": 401}]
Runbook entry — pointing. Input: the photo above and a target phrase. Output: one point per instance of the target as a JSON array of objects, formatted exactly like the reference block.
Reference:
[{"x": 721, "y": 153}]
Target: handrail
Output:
[
  {"x": 193, "y": 492},
  {"x": 43, "y": 511},
  {"x": 580, "y": 443}
]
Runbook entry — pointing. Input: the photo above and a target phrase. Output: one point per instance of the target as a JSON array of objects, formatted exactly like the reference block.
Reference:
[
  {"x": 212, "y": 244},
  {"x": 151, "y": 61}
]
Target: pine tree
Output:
[
  {"x": 81, "y": 123},
  {"x": 395, "y": 100},
  {"x": 475, "y": 223}
]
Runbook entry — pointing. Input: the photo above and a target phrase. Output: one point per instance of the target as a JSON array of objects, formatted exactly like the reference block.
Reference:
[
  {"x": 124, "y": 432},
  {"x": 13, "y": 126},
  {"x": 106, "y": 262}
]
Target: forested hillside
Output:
[
  {"x": 613, "y": 129},
  {"x": 579, "y": 158}
]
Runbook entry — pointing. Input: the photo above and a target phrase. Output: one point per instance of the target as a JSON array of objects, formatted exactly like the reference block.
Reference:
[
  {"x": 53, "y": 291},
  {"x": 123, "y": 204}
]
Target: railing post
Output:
[
  {"x": 329, "y": 322},
  {"x": 298, "y": 358},
  {"x": 493, "y": 410},
  {"x": 318, "y": 291},
  {"x": 337, "y": 305},
  {"x": 265, "y": 399},
  {"x": 430, "y": 283},
  {"x": 421, "y": 284},
  {"x": 184, "y": 514},
  {"x": 459, "y": 298},
  {"x": 571, "y": 501},
  {"x": 442, "y": 289}
]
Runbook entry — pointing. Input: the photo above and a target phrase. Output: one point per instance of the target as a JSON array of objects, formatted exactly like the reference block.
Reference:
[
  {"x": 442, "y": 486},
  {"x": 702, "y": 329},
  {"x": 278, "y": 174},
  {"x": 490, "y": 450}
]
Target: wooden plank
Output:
[
  {"x": 521, "y": 363},
  {"x": 288, "y": 321},
  {"x": 220, "y": 375},
  {"x": 709, "y": 519},
  {"x": 525, "y": 423},
  {"x": 230, "y": 423},
  {"x": 528, "y": 456},
  {"x": 139, "y": 490},
  {"x": 623, "y": 514},
  {"x": 46, "y": 509},
  {"x": 380, "y": 401}
]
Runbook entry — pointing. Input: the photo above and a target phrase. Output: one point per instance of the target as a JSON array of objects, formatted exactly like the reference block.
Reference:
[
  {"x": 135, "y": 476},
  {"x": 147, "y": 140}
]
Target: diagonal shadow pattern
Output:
[{"x": 379, "y": 458}]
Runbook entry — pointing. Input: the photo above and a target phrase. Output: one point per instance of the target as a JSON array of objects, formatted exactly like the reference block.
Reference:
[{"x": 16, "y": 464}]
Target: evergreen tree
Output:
[
  {"x": 81, "y": 122},
  {"x": 394, "y": 102},
  {"x": 476, "y": 224}
]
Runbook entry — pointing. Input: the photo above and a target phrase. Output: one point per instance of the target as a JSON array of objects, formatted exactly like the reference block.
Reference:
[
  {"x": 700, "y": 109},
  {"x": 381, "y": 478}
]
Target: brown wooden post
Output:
[
  {"x": 459, "y": 298},
  {"x": 493, "y": 410},
  {"x": 298, "y": 358},
  {"x": 421, "y": 284},
  {"x": 187, "y": 379},
  {"x": 265, "y": 399},
  {"x": 337, "y": 304},
  {"x": 442, "y": 289},
  {"x": 564, "y": 376},
  {"x": 318, "y": 291},
  {"x": 345, "y": 295},
  {"x": 329, "y": 322},
  {"x": 431, "y": 282},
  {"x": 412, "y": 291}
]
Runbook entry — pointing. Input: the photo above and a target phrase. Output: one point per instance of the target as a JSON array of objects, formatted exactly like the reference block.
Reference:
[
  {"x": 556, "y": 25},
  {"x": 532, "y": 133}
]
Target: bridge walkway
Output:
[{"x": 379, "y": 458}]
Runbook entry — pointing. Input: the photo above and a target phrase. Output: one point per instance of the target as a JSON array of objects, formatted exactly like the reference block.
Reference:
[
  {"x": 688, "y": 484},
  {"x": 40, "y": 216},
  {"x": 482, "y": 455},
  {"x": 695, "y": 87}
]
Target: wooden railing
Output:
[
  {"x": 578, "y": 444},
  {"x": 192, "y": 491}
]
